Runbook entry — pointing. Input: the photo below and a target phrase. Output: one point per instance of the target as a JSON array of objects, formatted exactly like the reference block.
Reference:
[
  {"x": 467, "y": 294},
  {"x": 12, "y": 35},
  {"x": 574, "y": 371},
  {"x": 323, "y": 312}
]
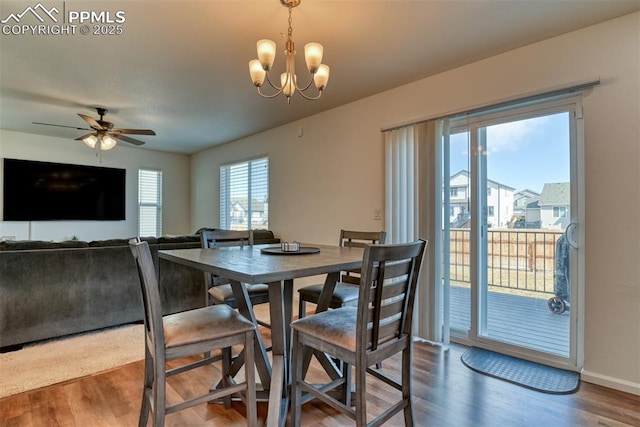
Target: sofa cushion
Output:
[
  {"x": 179, "y": 239},
  {"x": 109, "y": 242},
  {"x": 25, "y": 245}
]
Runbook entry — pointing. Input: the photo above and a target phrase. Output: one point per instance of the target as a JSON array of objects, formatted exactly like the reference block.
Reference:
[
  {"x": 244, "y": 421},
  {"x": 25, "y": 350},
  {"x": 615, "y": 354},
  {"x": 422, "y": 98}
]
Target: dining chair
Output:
[
  {"x": 378, "y": 328},
  {"x": 189, "y": 333},
  {"x": 346, "y": 291},
  {"x": 218, "y": 289}
]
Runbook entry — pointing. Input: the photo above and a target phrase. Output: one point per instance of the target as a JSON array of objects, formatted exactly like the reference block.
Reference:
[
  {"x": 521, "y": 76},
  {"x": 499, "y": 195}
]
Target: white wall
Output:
[
  {"x": 175, "y": 177},
  {"x": 332, "y": 177}
]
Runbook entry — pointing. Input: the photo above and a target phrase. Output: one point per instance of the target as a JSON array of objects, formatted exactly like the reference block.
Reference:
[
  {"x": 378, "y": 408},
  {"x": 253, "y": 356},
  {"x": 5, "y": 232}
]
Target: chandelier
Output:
[{"x": 259, "y": 68}]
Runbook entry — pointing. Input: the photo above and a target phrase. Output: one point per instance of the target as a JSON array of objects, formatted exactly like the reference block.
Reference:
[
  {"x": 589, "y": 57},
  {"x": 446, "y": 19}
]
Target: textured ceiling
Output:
[{"x": 180, "y": 67}]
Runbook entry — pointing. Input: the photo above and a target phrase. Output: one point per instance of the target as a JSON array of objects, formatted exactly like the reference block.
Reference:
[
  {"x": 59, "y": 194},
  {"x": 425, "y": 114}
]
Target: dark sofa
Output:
[{"x": 52, "y": 289}]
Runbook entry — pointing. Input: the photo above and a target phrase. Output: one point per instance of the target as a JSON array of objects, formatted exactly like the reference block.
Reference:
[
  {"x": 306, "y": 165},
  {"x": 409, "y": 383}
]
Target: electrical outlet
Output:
[{"x": 377, "y": 214}]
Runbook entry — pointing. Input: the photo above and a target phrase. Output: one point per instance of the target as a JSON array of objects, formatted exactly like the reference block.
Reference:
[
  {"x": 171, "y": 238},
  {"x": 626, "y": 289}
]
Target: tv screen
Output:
[{"x": 38, "y": 191}]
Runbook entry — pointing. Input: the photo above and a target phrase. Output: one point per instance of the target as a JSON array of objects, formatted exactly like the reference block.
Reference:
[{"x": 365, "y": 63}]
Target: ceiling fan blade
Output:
[
  {"x": 61, "y": 126},
  {"x": 84, "y": 136},
  {"x": 92, "y": 122},
  {"x": 133, "y": 131},
  {"x": 127, "y": 139}
]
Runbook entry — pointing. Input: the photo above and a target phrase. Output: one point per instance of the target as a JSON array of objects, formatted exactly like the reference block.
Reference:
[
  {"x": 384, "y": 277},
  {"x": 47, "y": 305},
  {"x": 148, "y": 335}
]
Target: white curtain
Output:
[{"x": 413, "y": 210}]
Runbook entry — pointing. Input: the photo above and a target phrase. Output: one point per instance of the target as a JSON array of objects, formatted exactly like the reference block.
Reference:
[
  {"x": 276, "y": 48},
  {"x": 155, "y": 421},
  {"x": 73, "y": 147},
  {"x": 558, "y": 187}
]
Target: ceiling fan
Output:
[{"x": 104, "y": 135}]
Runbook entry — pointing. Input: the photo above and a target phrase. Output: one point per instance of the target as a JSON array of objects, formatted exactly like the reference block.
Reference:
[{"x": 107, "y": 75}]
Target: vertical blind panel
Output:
[
  {"x": 149, "y": 202},
  {"x": 244, "y": 195},
  {"x": 401, "y": 147}
]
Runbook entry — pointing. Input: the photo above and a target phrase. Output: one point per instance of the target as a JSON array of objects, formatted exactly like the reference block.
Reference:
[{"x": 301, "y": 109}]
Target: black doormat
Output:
[{"x": 522, "y": 372}]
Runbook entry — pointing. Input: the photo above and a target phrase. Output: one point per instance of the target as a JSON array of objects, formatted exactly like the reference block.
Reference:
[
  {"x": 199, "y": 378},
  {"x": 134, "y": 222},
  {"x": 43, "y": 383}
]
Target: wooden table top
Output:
[{"x": 247, "y": 264}]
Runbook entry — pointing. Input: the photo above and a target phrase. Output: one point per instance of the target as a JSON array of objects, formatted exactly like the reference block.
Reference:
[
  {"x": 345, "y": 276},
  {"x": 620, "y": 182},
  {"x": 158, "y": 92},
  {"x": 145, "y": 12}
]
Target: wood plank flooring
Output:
[{"x": 445, "y": 393}]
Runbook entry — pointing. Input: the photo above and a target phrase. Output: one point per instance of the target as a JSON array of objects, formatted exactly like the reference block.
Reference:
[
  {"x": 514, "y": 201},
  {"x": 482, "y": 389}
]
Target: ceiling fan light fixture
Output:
[
  {"x": 107, "y": 143},
  {"x": 90, "y": 141}
]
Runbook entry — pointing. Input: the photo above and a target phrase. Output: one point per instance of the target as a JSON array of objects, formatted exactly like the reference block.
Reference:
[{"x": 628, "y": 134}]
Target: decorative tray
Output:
[{"x": 277, "y": 250}]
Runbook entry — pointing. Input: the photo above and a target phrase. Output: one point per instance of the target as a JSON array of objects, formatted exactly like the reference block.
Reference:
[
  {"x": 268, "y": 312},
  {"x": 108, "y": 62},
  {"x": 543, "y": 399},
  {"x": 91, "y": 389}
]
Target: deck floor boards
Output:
[{"x": 516, "y": 319}]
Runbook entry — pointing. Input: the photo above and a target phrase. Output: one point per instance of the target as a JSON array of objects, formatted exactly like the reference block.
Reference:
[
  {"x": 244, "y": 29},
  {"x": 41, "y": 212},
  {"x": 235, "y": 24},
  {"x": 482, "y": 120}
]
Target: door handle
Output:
[{"x": 569, "y": 235}]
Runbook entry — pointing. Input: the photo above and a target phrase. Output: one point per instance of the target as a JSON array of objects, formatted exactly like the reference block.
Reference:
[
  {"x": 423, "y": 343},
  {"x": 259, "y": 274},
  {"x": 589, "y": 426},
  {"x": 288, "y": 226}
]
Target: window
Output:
[
  {"x": 490, "y": 213},
  {"x": 149, "y": 202},
  {"x": 244, "y": 195},
  {"x": 453, "y": 192},
  {"x": 559, "y": 211}
]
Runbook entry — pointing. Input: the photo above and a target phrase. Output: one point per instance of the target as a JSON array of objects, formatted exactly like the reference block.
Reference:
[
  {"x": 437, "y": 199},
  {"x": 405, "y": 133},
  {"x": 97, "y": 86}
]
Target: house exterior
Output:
[
  {"x": 499, "y": 202},
  {"x": 521, "y": 199},
  {"x": 554, "y": 205},
  {"x": 240, "y": 213}
]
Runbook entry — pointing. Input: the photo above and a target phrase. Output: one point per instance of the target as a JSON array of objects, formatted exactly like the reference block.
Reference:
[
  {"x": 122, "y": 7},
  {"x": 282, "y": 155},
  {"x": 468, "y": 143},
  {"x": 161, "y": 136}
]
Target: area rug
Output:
[
  {"x": 54, "y": 361},
  {"x": 522, "y": 372}
]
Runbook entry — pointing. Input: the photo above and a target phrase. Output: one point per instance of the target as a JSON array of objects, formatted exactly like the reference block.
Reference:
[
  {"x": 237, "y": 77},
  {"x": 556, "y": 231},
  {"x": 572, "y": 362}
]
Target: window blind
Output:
[
  {"x": 244, "y": 195},
  {"x": 149, "y": 202}
]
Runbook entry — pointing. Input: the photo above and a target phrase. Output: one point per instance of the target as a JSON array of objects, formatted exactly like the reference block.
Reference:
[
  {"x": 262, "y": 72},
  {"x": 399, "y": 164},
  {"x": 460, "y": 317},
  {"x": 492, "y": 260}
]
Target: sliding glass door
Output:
[{"x": 513, "y": 200}]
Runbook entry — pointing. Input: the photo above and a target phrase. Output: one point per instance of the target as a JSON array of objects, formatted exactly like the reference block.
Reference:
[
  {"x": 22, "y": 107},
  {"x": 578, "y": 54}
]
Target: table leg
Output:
[
  {"x": 280, "y": 308},
  {"x": 246, "y": 309}
]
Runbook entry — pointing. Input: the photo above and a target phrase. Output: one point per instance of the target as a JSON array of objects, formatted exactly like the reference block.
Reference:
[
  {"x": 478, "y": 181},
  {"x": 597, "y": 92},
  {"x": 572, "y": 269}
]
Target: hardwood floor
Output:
[{"x": 445, "y": 393}]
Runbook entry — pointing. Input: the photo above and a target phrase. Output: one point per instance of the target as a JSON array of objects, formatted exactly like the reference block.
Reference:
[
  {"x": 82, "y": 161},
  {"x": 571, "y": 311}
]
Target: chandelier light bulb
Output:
[
  {"x": 266, "y": 53},
  {"x": 321, "y": 77},
  {"x": 288, "y": 82},
  {"x": 313, "y": 56},
  {"x": 257, "y": 72}
]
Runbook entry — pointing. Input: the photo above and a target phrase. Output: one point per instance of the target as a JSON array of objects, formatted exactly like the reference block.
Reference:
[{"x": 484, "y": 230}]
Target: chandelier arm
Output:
[
  {"x": 306, "y": 87},
  {"x": 268, "y": 96},
  {"x": 276, "y": 87},
  {"x": 310, "y": 98}
]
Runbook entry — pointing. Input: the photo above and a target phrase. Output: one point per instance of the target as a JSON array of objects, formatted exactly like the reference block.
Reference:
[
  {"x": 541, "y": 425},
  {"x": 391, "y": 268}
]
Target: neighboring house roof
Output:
[
  {"x": 533, "y": 203},
  {"x": 256, "y": 205},
  {"x": 495, "y": 183},
  {"x": 526, "y": 193},
  {"x": 555, "y": 194}
]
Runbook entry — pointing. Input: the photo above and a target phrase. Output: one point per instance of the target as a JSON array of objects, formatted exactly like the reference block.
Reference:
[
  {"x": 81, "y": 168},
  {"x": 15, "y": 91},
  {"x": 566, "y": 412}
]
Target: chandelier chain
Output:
[{"x": 290, "y": 32}]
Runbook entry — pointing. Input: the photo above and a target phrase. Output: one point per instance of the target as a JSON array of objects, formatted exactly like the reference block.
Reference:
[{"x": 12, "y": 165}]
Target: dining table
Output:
[{"x": 255, "y": 264}]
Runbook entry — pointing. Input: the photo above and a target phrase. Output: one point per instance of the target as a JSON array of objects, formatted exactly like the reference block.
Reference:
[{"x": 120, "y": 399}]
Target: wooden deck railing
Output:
[{"x": 520, "y": 259}]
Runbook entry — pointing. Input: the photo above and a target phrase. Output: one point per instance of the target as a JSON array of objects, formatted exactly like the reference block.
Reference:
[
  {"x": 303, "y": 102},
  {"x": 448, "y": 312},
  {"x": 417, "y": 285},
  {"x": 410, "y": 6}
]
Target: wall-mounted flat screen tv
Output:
[{"x": 41, "y": 191}]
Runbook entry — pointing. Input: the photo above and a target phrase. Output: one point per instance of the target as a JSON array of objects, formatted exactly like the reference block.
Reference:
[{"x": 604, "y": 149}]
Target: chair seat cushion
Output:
[
  {"x": 203, "y": 324},
  {"x": 224, "y": 294},
  {"x": 337, "y": 327},
  {"x": 343, "y": 294}
]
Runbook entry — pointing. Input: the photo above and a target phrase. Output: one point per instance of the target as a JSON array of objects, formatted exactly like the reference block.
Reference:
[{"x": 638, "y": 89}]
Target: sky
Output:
[{"x": 522, "y": 154}]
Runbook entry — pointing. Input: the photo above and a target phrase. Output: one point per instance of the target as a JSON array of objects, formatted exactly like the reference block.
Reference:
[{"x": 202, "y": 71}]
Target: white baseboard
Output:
[{"x": 610, "y": 382}]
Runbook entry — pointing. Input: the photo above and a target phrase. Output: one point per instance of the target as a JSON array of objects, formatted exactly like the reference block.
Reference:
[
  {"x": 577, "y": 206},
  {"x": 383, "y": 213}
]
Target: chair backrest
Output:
[
  {"x": 387, "y": 293},
  {"x": 154, "y": 329},
  {"x": 358, "y": 239},
  {"x": 221, "y": 238},
  {"x": 218, "y": 238}
]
